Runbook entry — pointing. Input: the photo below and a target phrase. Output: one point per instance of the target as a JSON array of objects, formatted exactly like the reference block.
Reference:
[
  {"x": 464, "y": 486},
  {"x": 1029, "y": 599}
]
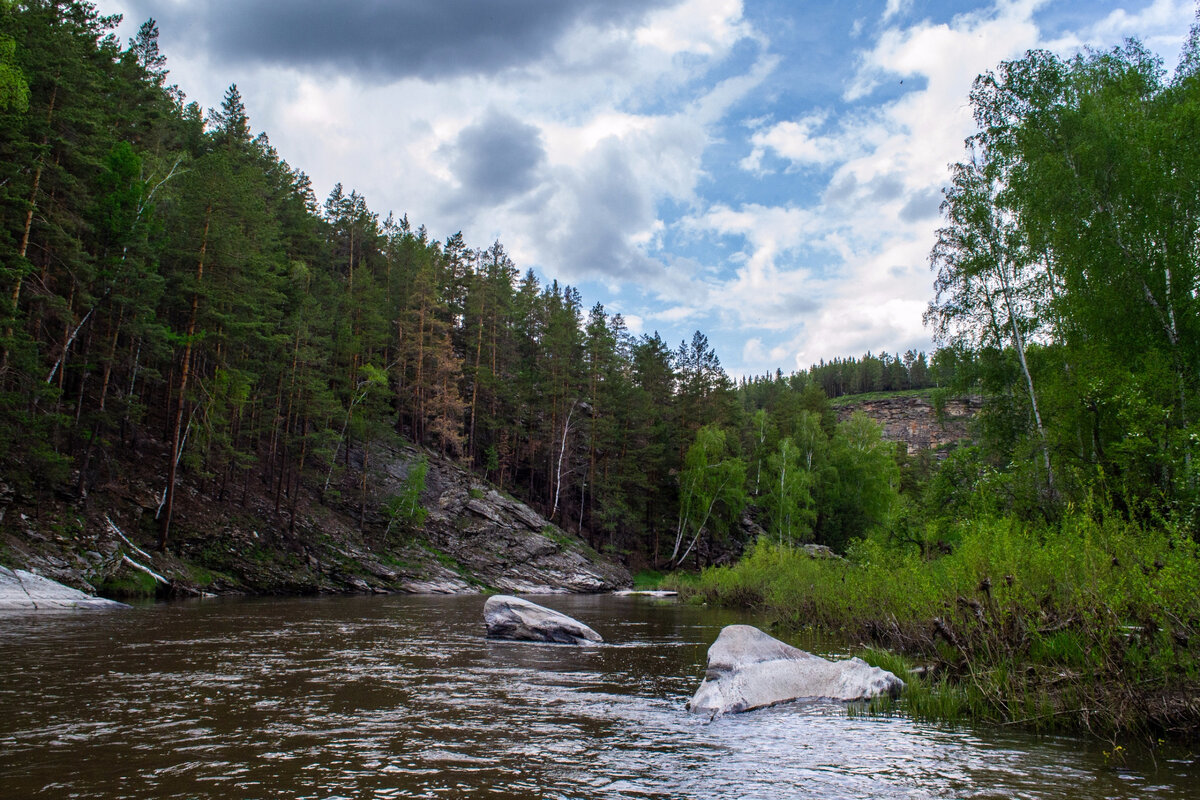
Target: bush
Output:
[{"x": 1091, "y": 620}]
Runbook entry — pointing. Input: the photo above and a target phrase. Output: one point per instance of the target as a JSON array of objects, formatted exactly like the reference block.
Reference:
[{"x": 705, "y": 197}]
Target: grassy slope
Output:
[{"x": 1088, "y": 626}]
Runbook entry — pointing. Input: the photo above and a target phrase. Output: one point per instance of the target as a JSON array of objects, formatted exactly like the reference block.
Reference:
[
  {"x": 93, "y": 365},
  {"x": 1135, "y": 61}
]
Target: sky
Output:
[{"x": 766, "y": 171}]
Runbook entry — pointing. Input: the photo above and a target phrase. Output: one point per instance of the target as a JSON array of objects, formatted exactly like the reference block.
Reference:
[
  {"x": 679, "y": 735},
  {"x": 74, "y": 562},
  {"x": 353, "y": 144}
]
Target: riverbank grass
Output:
[
  {"x": 1086, "y": 624},
  {"x": 648, "y": 580}
]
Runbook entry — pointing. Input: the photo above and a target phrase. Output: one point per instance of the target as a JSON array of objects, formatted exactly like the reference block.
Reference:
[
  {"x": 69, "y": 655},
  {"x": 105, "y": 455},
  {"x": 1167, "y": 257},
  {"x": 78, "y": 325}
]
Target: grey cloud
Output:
[
  {"x": 846, "y": 187},
  {"x": 798, "y": 305},
  {"x": 840, "y": 189},
  {"x": 921, "y": 205},
  {"x": 384, "y": 40},
  {"x": 886, "y": 187},
  {"x": 496, "y": 158},
  {"x": 609, "y": 207}
]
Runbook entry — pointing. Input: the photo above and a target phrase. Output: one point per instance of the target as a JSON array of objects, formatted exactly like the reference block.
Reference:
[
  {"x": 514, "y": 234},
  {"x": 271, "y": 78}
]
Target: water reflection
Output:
[{"x": 403, "y": 697}]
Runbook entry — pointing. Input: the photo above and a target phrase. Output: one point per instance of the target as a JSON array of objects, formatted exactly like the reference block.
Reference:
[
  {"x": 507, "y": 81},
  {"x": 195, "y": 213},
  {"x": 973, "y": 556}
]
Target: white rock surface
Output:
[
  {"x": 25, "y": 591},
  {"x": 509, "y": 617},
  {"x": 747, "y": 669}
]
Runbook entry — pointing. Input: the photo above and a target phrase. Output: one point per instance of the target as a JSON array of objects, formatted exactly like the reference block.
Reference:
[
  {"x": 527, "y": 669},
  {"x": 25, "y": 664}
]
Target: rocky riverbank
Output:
[{"x": 473, "y": 538}]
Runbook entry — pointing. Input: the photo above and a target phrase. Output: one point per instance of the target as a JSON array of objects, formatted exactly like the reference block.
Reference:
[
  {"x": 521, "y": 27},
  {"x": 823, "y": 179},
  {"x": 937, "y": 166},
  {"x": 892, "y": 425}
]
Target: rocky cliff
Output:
[
  {"x": 474, "y": 538},
  {"x": 493, "y": 538},
  {"x": 913, "y": 420}
]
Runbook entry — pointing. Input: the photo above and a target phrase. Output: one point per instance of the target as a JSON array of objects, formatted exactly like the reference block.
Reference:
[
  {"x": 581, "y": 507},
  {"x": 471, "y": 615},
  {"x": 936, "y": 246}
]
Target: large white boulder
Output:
[
  {"x": 509, "y": 617},
  {"x": 748, "y": 669},
  {"x": 25, "y": 591}
]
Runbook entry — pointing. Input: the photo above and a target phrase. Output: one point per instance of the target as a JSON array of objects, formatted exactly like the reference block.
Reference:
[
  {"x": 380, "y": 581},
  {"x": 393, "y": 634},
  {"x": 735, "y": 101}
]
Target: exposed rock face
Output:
[
  {"x": 24, "y": 591},
  {"x": 747, "y": 669},
  {"x": 499, "y": 541},
  {"x": 513, "y": 618},
  {"x": 914, "y": 421},
  {"x": 819, "y": 551}
]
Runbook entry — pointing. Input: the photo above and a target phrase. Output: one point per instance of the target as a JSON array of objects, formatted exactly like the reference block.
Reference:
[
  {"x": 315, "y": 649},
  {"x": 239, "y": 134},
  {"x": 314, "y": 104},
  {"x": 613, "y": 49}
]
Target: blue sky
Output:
[{"x": 767, "y": 171}]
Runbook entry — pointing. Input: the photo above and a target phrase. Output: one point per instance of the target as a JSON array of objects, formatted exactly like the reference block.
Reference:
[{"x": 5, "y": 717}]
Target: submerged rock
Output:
[
  {"x": 747, "y": 669},
  {"x": 513, "y": 618},
  {"x": 25, "y": 591}
]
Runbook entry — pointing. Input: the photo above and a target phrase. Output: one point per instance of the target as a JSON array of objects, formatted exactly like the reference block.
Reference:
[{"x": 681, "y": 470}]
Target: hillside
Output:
[{"x": 474, "y": 537}]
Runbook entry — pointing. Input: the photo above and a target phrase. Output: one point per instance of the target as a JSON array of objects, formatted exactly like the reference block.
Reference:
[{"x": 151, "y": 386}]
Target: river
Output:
[{"x": 401, "y": 696}]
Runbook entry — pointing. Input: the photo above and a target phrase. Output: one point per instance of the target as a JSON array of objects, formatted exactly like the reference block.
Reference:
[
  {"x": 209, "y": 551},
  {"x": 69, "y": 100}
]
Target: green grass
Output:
[
  {"x": 1085, "y": 624},
  {"x": 566, "y": 541},
  {"x": 129, "y": 585},
  {"x": 201, "y": 576},
  {"x": 451, "y": 563},
  {"x": 924, "y": 698},
  {"x": 851, "y": 399},
  {"x": 648, "y": 579}
]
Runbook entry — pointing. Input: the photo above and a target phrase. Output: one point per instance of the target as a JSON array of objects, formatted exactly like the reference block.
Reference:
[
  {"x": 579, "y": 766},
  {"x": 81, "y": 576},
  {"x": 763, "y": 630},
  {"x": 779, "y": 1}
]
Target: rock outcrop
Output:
[
  {"x": 498, "y": 541},
  {"x": 25, "y": 591},
  {"x": 747, "y": 669},
  {"x": 913, "y": 420},
  {"x": 520, "y": 620}
]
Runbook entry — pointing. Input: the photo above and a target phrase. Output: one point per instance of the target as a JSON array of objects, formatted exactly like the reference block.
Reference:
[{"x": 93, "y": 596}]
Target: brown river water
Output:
[{"x": 401, "y": 696}]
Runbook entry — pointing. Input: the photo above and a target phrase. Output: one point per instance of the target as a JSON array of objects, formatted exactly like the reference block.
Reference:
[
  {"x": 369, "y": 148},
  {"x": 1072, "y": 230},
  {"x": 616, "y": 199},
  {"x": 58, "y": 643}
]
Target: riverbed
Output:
[{"x": 402, "y": 696}]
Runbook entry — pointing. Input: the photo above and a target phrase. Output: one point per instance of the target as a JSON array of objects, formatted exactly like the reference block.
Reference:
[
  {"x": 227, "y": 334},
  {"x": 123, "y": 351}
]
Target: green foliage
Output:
[
  {"x": 712, "y": 491},
  {"x": 405, "y": 507},
  {"x": 859, "y": 490},
  {"x": 648, "y": 579},
  {"x": 129, "y": 585},
  {"x": 930, "y": 699},
  {"x": 789, "y": 501},
  {"x": 1068, "y": 263},
  {"x": 1085, "y": 621},
  {"x": 14, "y": 88}
]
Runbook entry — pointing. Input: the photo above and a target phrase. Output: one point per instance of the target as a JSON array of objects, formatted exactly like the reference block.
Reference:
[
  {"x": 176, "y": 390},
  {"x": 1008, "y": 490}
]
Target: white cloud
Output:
[
  {"x": 1161, "y": 17},
  {"x": 634, "y": 323},
  {"x": 1162, "y": 26},
  {"x": 858, "y": 256},
  {"x": 801, "y": 142},
  {"x": 629, "y": 118},
  {"x": 894, "y": 8},
  {"x": 704, "y": 27},
  {"x": 677, "y": 314}
]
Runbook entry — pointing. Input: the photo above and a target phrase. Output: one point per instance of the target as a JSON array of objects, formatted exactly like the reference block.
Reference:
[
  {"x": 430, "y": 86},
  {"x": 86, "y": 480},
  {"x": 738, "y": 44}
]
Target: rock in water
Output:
[
  {"x": 24, "y": 591},
  {"x": 748, "y": 669},
  {"x": 513, "y": 618}
]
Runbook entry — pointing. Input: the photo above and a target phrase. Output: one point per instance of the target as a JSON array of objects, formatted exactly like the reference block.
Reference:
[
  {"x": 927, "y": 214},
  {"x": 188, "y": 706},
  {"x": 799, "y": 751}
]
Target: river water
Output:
[{"x": 401, "y": 696}]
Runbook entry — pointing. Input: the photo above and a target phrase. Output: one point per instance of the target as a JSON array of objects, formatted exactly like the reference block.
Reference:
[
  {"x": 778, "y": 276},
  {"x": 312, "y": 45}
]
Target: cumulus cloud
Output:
[
  {"x": 664, "y": 151},
  {"x": 857, "y": 255},
  {"x": 801, "y": 142}
]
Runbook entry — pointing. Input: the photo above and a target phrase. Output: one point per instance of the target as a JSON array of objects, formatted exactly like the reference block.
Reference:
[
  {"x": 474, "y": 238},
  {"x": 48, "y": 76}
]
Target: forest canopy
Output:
[{"x": 173, "y": 289}]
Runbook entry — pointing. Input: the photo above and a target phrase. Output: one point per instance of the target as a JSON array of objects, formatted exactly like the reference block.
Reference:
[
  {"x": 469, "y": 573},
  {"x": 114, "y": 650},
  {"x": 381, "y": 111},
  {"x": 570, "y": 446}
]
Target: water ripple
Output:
[{"x": 403, "y": 697}]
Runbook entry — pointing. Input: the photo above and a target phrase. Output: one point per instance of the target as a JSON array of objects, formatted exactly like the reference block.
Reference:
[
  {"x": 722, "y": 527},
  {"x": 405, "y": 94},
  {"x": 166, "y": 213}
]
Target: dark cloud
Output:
[
  {"x": 496, "y": 158},
  {"x": 384, "y": 39},
  {"x": 921, "y": 205}
]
